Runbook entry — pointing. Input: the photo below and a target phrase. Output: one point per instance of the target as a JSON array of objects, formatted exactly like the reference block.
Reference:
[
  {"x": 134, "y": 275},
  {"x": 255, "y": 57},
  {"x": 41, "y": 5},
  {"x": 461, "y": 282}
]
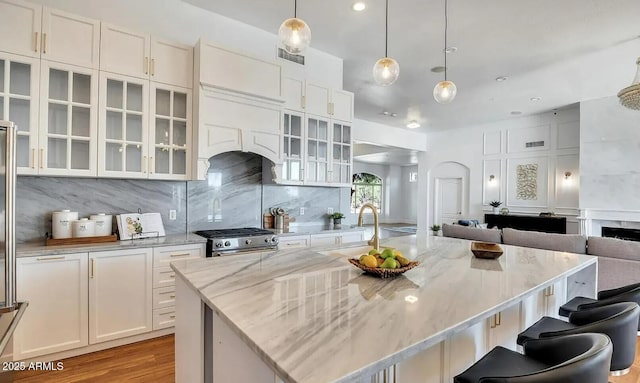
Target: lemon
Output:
[{"x": 370, "y": 261}]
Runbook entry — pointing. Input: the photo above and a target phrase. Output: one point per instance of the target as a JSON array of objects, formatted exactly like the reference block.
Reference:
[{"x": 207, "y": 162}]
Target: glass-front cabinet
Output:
[
  {"x": 19, "y": 84},
  {"x": 341, "y": 153},
  {"x": 170, "y": 132},
  {"x": 293, "y": 138},
  {"x": 68, "y": 120},
  {"x": 123, "y": 134},
  {"x": 317, "y": 150}
]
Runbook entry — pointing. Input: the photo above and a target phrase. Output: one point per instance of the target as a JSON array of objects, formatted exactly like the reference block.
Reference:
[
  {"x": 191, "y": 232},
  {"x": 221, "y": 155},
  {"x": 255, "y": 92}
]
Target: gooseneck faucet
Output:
[{"x": 375, "y": 240}]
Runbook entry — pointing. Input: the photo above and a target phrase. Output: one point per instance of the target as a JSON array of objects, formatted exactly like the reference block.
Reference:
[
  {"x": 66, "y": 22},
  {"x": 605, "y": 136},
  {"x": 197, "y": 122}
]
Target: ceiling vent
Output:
[
  {"x": 298, "y": 59},
  {"x": 534, "y": 144}
]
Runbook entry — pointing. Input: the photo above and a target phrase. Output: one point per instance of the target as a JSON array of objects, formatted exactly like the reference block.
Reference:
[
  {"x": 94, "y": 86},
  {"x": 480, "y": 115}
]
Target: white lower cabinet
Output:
[
  {"x": 504, "y": 327},
  {"x": 120, "y": 295},
  {"x": 545, "y": 302},
  {"x": 56, "y": 319},
  {"x": 335, "y": 238},
  {"x": 352, "y": 237},
  {"x": 292, "y": 242}
]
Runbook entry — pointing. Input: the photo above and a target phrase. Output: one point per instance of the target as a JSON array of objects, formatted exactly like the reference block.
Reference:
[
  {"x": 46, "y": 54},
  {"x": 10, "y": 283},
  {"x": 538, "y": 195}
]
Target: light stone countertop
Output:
[
  {"x": 39, "y": 249},
  {"x": 313, "y": 317},
  {"x": 316, "y": 229}
]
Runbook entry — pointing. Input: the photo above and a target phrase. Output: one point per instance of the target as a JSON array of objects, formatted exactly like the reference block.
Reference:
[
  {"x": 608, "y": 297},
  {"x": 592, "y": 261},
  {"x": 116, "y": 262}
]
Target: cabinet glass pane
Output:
[
  {"x": 20, "y": 78},
  {"x": 312, "y": 150},
  {"x": 57, "y": 153},
  {"x": 163, "y": 102},
  {"x": 57, "y": 119},
  {"x": 162, "y": 131},
  {"x": 114, "y": 93},
  {"x": 322, "y": 172},
  {"x": 19, "y": 113},
  {"x": 311, "y": 171},
  {"x": 313, "y": 128},
  {"x": 80, "y": 155},
  {"x": 296, "y": 126},
  {"x": 346, "y": 153},
  {"x": 337, "y": 154},
  {"x": 286, "y": 124},
  {"x": 285, "y": 169},
  {"x": 81, "y": 88},
  {"x": 322, "y": 150},
  {"x": 346, "y": 174},
  {"x": 179, "y": 133},
  {"x": 295, "y": 147},
  {"x": 162, "y": 161},
  {"x": 180, "y": 105},
  {"x": 113, "y": 157},
  {"x": 346, "y": 134},
  {"x": 134, "y": 158},
  {"x": 286, "y": 147},
  {"x": 134, "y": 97},
  {"x": 80, "y": 121},
  {"x": 295, "y": 170},
  {"x": 58, "y": 85},
  {"x": 322, "y": 130},
  {"x": 23, "y": 151},
  {"x": 134, "y": 127},
  {"x": 2, "y": 117},
  {"x": 114, "y": 125},
  {"x": 179, "y": 162},
  {"x": 336, "y": 173},
  {"x": 337, "y": 133},
  {"x": 1, "y": 76}
]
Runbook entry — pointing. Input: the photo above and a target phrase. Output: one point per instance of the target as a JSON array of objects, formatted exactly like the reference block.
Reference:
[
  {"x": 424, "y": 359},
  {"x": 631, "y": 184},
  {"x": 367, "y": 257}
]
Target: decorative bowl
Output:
[
  {"x": 383, "y": 273},
  {"x": 486, "y": 250}
]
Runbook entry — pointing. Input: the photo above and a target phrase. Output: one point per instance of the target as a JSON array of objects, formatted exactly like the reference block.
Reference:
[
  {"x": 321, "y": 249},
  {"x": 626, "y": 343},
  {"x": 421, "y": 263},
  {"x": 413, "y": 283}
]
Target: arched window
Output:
[{"x": 366, "y": 187}]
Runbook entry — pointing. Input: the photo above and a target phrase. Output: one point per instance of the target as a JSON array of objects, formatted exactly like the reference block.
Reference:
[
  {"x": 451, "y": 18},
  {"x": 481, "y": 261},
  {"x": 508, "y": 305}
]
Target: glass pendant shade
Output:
[
  {"x": 444, "y": 92},
  {"x": 295, "y": 35},
  {"x": 630, "y": 96},
  {"x": 386, "y": 71}
]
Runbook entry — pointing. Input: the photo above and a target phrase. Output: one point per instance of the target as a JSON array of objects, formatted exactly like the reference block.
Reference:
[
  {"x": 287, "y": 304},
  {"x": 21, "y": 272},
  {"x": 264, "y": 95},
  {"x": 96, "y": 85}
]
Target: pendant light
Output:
[
  {"x": 445, "y": 91},
  {"x": 386, "y": 70},
  {"x": 630, "y": 96},
  {"x": 294, "y": 34}
]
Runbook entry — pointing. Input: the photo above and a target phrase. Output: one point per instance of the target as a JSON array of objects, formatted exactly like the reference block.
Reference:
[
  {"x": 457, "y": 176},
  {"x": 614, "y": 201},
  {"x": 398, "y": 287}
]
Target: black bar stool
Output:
[
  {"x": 619, "y": 321},
  {"x": 629, "y": 293},
  {"x": 581, "y": 358}
]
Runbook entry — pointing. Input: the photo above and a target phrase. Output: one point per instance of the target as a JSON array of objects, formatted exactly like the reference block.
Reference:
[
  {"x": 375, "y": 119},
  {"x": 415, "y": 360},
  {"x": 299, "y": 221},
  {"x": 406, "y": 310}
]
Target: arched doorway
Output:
[{"x": 450, "y": 191}]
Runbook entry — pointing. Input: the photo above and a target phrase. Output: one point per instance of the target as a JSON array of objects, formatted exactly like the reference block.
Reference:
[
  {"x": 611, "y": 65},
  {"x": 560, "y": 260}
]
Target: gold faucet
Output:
[{"x": 375, "y": 240}]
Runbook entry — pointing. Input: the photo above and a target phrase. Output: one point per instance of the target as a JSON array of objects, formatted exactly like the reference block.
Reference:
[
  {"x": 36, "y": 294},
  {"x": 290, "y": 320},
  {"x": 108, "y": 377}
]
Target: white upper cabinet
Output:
[
  {"x": 317, "y": 99},
  {"x": 124, "y": 51},
  {"x": 293, "y": 93},
  {"x": 70, "y": 39},
  {"x": 341, "y": 105},
  {"x": 306, "y": 96},
  {"x": 171, "y": 63},
  {"x": 20, "y": 27},
  {"x": 31, "y": 30}
]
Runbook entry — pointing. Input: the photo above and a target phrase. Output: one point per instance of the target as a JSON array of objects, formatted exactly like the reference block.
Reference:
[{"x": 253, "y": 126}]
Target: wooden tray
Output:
[
  {"x": 486, "y": 250},
  {"x": 383, "y": 273},
  {"x": 80, "y": 241}
]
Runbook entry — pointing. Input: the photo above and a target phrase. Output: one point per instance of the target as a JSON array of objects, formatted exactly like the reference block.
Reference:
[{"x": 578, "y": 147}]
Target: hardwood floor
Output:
[{"x": 152, "y": 361}]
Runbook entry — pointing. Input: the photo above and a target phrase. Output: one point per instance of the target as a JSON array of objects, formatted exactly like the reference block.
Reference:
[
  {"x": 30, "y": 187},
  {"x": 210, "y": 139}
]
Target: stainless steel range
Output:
[{"x": 233, "y": 241}]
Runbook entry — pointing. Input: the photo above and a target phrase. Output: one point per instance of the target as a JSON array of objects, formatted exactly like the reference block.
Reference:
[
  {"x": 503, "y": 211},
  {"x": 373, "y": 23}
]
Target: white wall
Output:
[
  {"x": 497, "y": 148},
  {"x": 185, "y": 23},
  {"x": 375, "y": 133}
]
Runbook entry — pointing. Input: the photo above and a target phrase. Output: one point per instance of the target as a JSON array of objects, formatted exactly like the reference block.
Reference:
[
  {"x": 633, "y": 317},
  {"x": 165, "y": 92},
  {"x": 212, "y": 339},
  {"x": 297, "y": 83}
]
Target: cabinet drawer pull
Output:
[
  {"x": 179, "y": 255},
  {"x": 172, "y": 275},
  {"x": 44, "y": 43},
  {"x": 293, "y": 243},
  {"x": 41, "y": 158},
  {"x": 153, "y": 67},
  {"x": 144, "y": 164},
  {"x": 50, "y": 258},
  {"x": 145, "y": 63},
  {"x": 36, "y": 43},
  {"x": 172, "y": 296},
  {"x": 172, "y": 316},
  {"x": 33, "y": 158}
]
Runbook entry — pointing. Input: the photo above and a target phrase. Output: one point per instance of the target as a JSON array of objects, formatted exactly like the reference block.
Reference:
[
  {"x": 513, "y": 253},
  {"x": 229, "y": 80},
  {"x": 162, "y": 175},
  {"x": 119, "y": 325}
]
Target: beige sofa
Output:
[
  {"x": 473, "y": 233},
  {"x": 618, "y": 261}
]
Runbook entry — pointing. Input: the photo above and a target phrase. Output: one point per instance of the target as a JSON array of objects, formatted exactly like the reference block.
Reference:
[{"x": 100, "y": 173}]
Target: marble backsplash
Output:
[{"x": 232, "y": 196}]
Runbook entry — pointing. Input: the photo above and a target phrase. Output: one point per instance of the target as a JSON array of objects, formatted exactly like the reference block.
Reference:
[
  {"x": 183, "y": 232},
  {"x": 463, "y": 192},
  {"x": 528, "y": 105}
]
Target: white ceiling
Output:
[
  {"x": 388, "y": 155},
  {"x": 562, "y": 51}
]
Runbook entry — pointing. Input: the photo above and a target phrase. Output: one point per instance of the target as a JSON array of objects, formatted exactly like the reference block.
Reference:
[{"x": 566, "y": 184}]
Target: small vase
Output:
[
  {"x": 496, "y": 210},
  {"x": 337, "y": 221},
  {"x": 435, "y": 232}
]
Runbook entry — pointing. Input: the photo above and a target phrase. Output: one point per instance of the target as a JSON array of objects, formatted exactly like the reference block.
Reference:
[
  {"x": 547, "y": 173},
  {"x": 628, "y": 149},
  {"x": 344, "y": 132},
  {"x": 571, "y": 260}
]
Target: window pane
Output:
[
  {"x": 19, "y": 113},
  {"x": 114, "y": 125},
  {"x": 162, "y": 161},
  {"x": 296, "y": 126},
  {"x": 113, "y": 157},
  {"x": 180, "y": 105},
  {"x": 322, "y": 130},
  {"x": 58, "y": 85},
  {"x": 80, "y": 155},
  {"x": 134, "y": 127},
  {"x": 313, "y": 128},
  {"x": 162, "y": 132},
  {"x": 179, "y": 161},
  {"x": 134, "y": 158},
  {"x": 20, "y": 79},
  {"x": 295, "y": 147},
  {"x": 114, "y": 93},
  {"x": 22, "y": 151},
  {"x": 346, "y": 134},
  {"x": 163, "y": 102},
  {"x": 179, "y": 133},
  {"x": 57, "y": 119},
  {"x": 80, "y": 121},
  {"x": 81, "y": 88},
  {"x": 57, "y": 153},
  {"x": 134, "y": 97},
  {"x": 337, "y": 154},
  {"x": 286, "y": 124}
]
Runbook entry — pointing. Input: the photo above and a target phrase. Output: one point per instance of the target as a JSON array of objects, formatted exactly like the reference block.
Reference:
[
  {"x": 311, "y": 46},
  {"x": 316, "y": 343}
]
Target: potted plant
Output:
[
  {"x": 336, "y": 217},
  {"x": 495, "y": 205},
  {"x": 435, "y": 228}
]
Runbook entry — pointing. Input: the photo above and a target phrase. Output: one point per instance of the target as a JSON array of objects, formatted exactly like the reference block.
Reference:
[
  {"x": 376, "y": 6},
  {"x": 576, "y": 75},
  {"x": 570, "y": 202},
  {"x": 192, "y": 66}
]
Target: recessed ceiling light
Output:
[
  {"x": 502, "y": 78},
  {"x": 385, "y": 113},
  {"x": 535, "y": 98},
  {"x": 359, "y": 6},
  {"x": 516, "y": 113},
  {"x": 437, "y": 69},
  {"x": 394, "y": 114},
  {"x": 413, "y": 124},
  {"x": 450, "y": 50}
]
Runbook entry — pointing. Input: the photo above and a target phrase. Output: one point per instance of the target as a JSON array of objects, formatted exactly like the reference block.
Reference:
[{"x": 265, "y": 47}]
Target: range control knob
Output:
[
  {"x": 267, "y": 240},
  {"x": 219, "y": 244},
  {"x": 227, "y": 244},
  {"x": 274, "y": 239},
  {"x": 248, "y": 242}
]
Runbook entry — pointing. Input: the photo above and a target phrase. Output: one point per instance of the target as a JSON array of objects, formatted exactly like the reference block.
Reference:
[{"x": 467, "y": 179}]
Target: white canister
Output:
[
  {"x": 84, "y": 228},
  {"x": 61, "y": 223},
  {"x": 103, "y": 224}
]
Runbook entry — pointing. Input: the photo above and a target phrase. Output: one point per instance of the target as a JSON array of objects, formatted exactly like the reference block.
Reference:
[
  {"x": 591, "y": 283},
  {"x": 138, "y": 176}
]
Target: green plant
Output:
[
  {"x": 495, "y": 203},
  {"x": 435, "y": 227},
  {"x": 336, "y": 215}
]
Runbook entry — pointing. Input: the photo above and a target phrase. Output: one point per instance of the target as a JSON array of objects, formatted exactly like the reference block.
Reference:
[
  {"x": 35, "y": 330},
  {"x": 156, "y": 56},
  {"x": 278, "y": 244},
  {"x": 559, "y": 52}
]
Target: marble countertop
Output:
[
  {"x": 313, "y": 317},
  {"x": 316, "y": 229},
  {"x": 39, "y": 249}
]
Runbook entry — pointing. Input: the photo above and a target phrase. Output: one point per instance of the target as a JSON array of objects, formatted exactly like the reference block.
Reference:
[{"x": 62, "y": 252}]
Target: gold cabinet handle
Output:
[
  {"x": 172, "y": 276},
  {"x": 153, "y": 67},
  {"x": 92, "y": 267},
  {"x": 33, "y": 157},
  {"x": 292, "y": 243},
  {"x": 179, "y": 255},
  {"x": 144, "y": 164},
  {"x": 303, "y": 102},
  {"x": 172, "y": 296},
  {"x": 41, "y": 158},
  {"x": 44, "y": 43},
  {"x": 153, "y": 165},
  {"x": 172, "y": 316},
  {"x": 499, "y": 321},
  {"x": 36, "y": 43},
  {"x": 50, "y": 258},
  {"x": 146, "y": 65}
]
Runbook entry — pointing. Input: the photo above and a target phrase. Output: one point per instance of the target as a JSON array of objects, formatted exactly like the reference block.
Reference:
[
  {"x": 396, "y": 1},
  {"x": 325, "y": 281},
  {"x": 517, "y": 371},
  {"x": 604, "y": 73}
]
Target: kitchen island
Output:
[{"x": 307, "y": 315}]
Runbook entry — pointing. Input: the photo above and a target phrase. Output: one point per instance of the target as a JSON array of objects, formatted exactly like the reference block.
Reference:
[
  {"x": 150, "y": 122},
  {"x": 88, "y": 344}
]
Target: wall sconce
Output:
[{"x": 567, "y": 175}]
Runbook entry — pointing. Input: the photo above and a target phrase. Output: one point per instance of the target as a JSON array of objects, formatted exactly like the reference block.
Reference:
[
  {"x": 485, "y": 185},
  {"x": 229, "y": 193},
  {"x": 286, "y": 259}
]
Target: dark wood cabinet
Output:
[{"x": 545, "y": 224}]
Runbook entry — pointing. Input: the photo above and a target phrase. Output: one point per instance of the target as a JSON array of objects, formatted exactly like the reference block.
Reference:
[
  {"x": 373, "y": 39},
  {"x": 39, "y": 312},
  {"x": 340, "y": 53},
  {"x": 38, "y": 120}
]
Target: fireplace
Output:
[{"x": 621, "y": 233}]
